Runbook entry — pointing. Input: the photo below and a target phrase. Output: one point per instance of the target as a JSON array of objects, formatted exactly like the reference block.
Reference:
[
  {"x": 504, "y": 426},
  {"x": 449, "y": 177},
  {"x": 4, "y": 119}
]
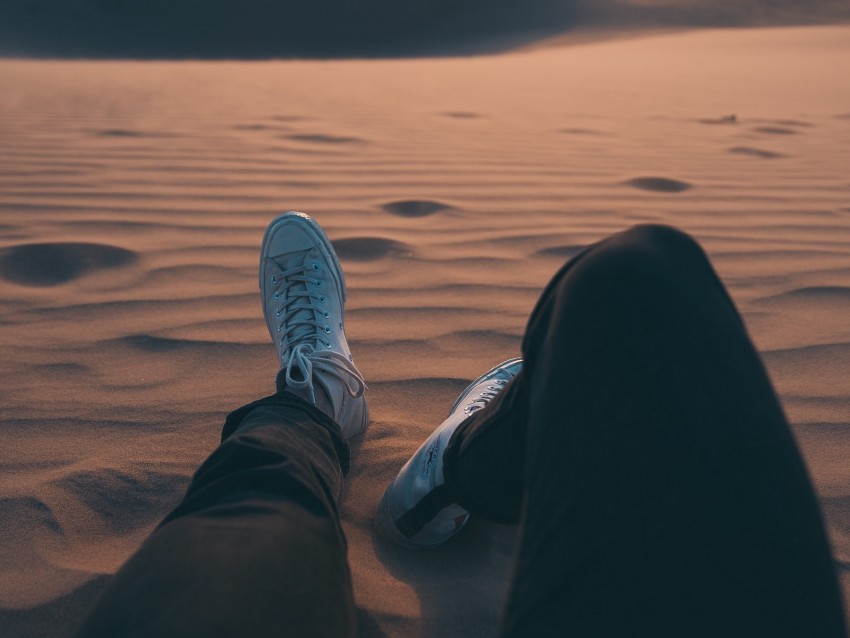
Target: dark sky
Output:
[{"x": 345, "y": 28}]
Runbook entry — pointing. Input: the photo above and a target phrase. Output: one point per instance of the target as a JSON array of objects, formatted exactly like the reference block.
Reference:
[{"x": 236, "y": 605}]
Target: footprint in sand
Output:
[
  {"x": 658, "y": 184},
  {"x": 44, "y": 265},
  {"x": 319, "y": 138},
  {"x": 121, "y": 132},
  {"x": 462, "y": 115},
  {"x": 792, "y": 123},
  {"x": 775, "y": 130},
  {"x": 110, "y": 493},
  {"x": 580, "y": 131},
  {"x": 415, "y": 207},
  {"x": 258, "y": 127},
  {"x": 723, "y": 119},
  {"x": 370, "y": 248},
  {"x": 755, "y": 152}
]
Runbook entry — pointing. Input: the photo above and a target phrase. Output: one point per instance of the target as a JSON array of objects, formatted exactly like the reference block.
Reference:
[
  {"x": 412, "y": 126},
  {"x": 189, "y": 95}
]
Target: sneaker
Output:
[
  {"x": 303, "y": 295},
  {"x": 417, "y": 510}
]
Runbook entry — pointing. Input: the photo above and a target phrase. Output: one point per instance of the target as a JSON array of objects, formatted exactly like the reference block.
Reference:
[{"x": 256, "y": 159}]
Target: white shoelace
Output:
[
  {"x": 486, "y": 396},
  {"x": 299, "y": 329}
]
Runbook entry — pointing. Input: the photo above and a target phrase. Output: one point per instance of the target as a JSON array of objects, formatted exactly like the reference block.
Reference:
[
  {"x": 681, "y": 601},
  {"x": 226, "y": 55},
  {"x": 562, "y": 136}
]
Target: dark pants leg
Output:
[
  {"x": 663, "y": 492},
  {"x": 254, "y": 549}
]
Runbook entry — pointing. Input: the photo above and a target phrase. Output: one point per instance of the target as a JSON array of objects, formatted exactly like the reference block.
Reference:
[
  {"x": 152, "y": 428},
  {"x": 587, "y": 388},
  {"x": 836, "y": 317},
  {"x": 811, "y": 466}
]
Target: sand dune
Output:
[
  {"x": 261, "y": 29},
  {"x": 133, "y": 198}
]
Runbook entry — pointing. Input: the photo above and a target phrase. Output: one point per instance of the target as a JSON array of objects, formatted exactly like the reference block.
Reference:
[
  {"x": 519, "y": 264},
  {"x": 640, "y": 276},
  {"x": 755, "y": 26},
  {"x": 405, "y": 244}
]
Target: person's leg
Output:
[
  {"x": 254, "y": 549},
  {"x": 664, "y": 493}
]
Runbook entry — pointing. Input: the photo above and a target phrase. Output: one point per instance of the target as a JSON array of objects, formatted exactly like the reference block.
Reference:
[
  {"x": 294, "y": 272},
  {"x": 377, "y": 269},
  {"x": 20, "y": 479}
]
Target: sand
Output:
[{"x": 133, "y": 198}]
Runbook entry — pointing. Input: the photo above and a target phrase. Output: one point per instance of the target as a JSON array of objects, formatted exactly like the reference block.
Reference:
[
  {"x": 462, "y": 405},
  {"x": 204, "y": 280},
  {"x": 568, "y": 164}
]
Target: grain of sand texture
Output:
[{"x": 133, "y": 198}]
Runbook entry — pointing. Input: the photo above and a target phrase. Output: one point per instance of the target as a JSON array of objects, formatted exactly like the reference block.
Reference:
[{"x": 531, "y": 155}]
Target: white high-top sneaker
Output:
[
  {"x": 417, "y": 510},
  {"x": 303, "y": 295}
]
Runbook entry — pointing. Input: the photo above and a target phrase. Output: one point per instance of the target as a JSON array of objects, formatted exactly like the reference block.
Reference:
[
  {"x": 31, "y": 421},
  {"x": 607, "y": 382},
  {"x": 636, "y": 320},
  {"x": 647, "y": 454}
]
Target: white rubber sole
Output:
[{"x": 384, "y": 521}]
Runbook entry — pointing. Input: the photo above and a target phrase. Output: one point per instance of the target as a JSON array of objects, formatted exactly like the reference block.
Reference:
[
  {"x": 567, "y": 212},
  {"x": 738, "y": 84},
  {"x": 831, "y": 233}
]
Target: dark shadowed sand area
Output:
[
  {"x": 258, "y": 29},
  {"x": 133, "y": 199}
]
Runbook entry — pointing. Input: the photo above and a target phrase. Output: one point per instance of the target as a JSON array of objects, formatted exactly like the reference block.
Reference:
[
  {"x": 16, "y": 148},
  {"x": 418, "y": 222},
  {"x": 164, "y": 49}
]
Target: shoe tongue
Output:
[{"x": 298, "y": 333}]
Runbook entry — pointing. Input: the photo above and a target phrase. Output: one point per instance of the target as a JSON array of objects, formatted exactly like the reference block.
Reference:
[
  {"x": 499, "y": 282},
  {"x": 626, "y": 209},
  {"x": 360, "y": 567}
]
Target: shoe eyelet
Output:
[
  {"x": 278, "y": 328},
  {"x": 318, "y": 283},
  {"x": 315, "y": 266},
  {"x": 277, "y": 312},
  {"x": 276, "y": 295},
  {"x": 327, "y": 329},
  {"x": 274, "y": 279},
  {"x": 326, "y": 314},
  {"x": 322, "y": 299},
  {"x": 328, "y": 344}
]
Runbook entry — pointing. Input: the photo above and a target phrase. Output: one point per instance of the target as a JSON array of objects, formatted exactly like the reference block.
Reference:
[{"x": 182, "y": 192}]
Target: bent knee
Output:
[
  {"x": 652, "y": 247},
  {"x": 659, "y": 237},
  {"x": 644, "y": 255}
]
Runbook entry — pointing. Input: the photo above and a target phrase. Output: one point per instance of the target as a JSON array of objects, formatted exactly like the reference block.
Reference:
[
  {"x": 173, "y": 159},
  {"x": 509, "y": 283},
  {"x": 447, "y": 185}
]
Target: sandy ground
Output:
[{"x": 133, "y": 197}]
